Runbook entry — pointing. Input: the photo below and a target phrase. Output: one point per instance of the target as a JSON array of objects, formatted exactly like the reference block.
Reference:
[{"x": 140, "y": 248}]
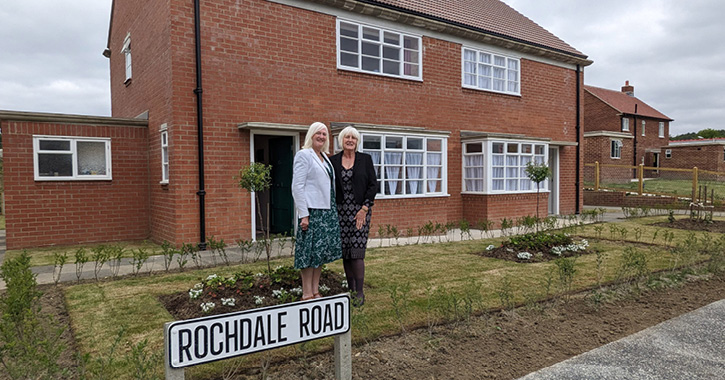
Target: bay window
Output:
[{"x": 492, "y": 166}]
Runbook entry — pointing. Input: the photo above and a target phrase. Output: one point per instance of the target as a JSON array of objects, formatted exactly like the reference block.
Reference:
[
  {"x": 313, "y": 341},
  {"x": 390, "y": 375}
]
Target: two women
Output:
[{"x": 333, "y": 198}]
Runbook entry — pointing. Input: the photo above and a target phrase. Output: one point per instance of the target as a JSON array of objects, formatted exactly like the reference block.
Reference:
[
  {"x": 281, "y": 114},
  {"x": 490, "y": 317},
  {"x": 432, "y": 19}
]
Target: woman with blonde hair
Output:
[
  {"x": 313, "y": 189},
  {"x": 355, "y": 187}
]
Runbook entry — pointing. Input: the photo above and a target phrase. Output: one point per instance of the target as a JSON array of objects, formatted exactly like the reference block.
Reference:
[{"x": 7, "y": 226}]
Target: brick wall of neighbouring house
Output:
[
  {"x": 705, "y": 157},
  {"x": 42, "y": 213},
  {"x": 598, "y": 149},
  {"x": 620, "y": 199},
  {"x": 251, "y": 74}
]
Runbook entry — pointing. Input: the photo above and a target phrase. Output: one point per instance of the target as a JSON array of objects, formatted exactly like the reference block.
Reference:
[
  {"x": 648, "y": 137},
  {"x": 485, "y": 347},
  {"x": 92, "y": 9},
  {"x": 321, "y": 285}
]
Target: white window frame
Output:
[
  {"x": 502, "y": 171},
  {"x": 644, "y": 123},
  {"x": 164, "y": 140},
  {"x": 474, "y": 68},
  {"x": 431, "y": 152},
  {"x": 412, "y": 68},
  {"x": 668, "y": 153},
  {"x": 73, "y": 152},
  {"x": 615, "y": 149},
  {"x": 625, "y": 124},
  {"x": 662, "y": 130},
  {"x": 126, "y": 51}
]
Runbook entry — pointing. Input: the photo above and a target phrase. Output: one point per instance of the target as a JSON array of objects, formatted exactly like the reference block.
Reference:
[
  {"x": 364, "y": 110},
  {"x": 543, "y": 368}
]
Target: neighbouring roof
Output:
[
  {"x": 698, "y": 142},
  {"x": 491, "y": 16},
  {"x": 625, "y": 103}
]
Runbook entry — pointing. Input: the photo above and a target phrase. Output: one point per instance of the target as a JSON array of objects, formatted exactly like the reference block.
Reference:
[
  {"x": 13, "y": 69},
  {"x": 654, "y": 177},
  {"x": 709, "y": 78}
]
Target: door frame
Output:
[
  {"x": 295, "y": 148},
  {"x": 553, "y": 203}
]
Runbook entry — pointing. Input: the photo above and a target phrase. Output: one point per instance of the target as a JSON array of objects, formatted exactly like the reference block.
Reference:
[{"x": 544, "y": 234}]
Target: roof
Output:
[
  {"x": 493, "y": 16},
  {"x": 624, "y": 103}
]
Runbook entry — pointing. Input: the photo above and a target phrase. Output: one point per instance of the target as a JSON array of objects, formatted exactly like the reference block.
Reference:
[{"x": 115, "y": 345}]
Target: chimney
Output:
[{"x": 627, "y": 89}]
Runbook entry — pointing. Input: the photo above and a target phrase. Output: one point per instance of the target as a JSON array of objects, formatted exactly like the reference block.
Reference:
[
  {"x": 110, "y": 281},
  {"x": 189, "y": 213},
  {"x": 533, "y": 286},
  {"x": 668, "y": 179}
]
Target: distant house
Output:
[
  {"x": 621, "y": 129},
  {"x": 452, "y": 97}
]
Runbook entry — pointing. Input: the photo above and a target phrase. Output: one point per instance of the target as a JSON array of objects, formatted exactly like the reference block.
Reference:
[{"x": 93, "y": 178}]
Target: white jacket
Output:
[{"x": 310, "y": 182}]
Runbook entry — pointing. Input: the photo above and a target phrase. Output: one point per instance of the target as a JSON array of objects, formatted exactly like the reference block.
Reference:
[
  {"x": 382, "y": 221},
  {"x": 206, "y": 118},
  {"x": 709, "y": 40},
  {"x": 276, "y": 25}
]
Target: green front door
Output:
[{"x": 281, "y": 204}]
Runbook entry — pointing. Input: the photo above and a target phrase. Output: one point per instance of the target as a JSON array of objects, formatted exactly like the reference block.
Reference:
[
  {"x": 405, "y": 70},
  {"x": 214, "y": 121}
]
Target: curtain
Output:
[
  {"x": 414, "y": 172},
  {"x": 433, "y": 171},
  {"x": 376, "y": 161},
  {"x": 392, "y": 172},
  {"x": 474, "y": 172}
]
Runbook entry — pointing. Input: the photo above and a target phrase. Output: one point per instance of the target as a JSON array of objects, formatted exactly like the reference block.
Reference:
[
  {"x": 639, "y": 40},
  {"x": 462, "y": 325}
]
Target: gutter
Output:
[{"x": 199, "y": 126}]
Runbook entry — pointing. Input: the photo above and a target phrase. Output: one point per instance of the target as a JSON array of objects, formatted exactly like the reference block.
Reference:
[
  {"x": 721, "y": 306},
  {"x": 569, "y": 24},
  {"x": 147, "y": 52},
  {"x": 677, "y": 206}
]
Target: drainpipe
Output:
[
  {"x": 635, "y": 131},
  {"x": 199, "y": 126},
  {"x": 578, "y": 139}
]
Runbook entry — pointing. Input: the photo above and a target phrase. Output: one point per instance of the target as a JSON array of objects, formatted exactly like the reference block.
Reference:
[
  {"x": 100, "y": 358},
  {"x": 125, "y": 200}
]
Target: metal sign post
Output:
[{"x": 207, "y": 339}]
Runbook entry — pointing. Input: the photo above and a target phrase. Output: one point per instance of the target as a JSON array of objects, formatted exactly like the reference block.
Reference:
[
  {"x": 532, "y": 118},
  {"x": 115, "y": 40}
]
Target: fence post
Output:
[
  {"x": 596, "y": 175},
  {"x": 640, "y": 175},
  {"x": 694, "y": 183}
]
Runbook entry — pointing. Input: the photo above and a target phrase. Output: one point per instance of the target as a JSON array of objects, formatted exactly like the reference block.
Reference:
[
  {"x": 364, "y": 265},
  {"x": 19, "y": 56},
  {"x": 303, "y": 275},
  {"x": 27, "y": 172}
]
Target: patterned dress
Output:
[
  {"x": 354, "y": 241},
  {"x": 320, "y": 244}
]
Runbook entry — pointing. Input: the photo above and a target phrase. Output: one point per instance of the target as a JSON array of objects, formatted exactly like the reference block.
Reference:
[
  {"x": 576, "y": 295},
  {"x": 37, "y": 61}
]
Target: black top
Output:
[{"x": 364, "y": 181}]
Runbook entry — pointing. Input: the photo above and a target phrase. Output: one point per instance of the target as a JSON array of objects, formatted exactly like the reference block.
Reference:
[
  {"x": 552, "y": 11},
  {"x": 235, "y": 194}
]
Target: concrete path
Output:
[{"x": 688, "y": 347}]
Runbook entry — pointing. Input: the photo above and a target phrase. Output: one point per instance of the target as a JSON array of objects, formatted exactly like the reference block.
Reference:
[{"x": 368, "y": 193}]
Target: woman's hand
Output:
[
  {"x": 360, "y": 218},
  {"x": 304, "y": 223}
]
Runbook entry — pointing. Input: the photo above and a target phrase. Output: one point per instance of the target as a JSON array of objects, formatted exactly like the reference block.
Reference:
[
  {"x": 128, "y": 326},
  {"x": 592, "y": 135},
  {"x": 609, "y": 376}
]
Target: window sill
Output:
[{"x": 411, "y": 196}]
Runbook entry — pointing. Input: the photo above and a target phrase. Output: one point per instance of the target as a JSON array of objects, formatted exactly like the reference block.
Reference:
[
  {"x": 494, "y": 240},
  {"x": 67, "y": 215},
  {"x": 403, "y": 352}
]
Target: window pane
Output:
[
  {"x": 469, "y": 55},
  {"x": 392, "y": 38},
  {"x": 484, "y": 82},
  {"x": 391, "y": 53},
  {"x": 484, "y": 58},
  {"x": 371, "y": 64},
  {"x": 91, "y": 158},
  {"x": 349, "y": 30},
  {"x": 497, "y": 148},
  {"x": 371, "y": 142},
  {"x": 371, "y": 49},
  {"x": 391, "y": 67},
  {"x": 474, "y": 148},
  {"x": 371, "y": 34},
  {"x": 55, "y": 165},
  {"x": 411, "y": 70},
  {"x": 410, "y": 43},
  {"x": 394, "y": 142},
  {"x": 347, "y": 44},
  {"x": 539, "y": 149},
  {"x": 349, "y": 60},
  {"x": 415, "y": 143},
  {"x": 526, "y": 148},
  {"x": 469, "y": 79},
  {"x": 54, "y": 145},
  {"x": 512, "y": 148},
  {"x": 499, "y": 61},
  {"x": 434, "y": 145}
]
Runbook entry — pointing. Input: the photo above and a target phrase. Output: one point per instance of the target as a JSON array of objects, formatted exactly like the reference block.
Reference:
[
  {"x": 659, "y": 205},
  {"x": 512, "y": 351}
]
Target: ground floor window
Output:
[
  {"x": 407, "y": 165},
  {"x": 616, "y": 149},
  {"x": 500, "y": 166},
  {"x": 71, "y": 158}
]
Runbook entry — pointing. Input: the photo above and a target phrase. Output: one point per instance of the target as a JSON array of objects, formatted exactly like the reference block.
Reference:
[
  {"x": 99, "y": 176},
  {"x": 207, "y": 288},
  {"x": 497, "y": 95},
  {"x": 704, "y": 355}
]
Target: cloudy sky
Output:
[{"x": 670, "y": 50}]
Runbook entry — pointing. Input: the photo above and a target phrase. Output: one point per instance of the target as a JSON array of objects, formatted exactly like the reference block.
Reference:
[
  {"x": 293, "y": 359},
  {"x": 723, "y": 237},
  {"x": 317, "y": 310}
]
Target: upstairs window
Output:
[
  {"x": 407, "y": 165},
  {"x": 662, "y": 129},
  {"x": 616, "y": 149},
  {"x": 379, "y": 51},
  {"x": 625, "y": 124},
  {"x": 492, "y": 72},
  {"x": 126, "y": 50},
  {"x": 71, "y": 158}
]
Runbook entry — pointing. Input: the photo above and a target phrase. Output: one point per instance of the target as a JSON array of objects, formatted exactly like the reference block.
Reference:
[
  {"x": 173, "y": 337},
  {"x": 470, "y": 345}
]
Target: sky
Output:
[{"x": 671, "y": 51}]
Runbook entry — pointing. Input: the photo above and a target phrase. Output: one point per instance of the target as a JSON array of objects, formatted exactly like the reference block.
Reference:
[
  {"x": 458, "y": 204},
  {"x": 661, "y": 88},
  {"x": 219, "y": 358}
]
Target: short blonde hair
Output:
[
  {"x": 349, "y": 130},
  {"x": 314, "y": 128}
]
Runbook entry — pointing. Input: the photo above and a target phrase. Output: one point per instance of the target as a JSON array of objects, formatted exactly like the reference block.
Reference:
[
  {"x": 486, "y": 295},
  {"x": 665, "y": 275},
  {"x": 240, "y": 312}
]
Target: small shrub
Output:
[{"x": 59, "y": 260}]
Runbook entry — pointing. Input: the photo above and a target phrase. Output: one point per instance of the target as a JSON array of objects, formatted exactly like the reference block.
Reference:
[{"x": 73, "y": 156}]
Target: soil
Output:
[
  {"x": 695, "y": 225},
  {"x": 502, "y": 345}
]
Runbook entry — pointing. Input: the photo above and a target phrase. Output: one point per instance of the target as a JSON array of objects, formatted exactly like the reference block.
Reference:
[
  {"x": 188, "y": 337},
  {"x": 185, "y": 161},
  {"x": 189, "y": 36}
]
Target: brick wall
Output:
[
  {"x": 705, "y": 157},
  {"x": 268, "y": 62},
  {"x": 41, "y": 213}
]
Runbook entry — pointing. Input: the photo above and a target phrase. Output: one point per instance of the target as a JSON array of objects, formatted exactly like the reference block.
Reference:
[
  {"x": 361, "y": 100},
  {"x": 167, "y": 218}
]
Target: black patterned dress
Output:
[{"x": 354, "y": 241}]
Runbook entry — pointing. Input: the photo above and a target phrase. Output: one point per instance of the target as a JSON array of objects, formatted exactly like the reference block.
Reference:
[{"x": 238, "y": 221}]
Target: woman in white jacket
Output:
[{"x": 313, "y": 189}]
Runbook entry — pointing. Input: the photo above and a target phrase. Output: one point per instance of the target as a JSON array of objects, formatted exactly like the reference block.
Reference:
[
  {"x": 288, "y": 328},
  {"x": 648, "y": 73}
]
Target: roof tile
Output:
[{"x": 625, "y": 103}]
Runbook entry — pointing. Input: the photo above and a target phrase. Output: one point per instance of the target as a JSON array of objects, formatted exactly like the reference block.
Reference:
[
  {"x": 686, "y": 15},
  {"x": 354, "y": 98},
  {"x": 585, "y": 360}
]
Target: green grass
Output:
[
  {"x": 2, "y": 222},
  {"x": 681, "y": 188},
  {"x": 98, "y": 310}
]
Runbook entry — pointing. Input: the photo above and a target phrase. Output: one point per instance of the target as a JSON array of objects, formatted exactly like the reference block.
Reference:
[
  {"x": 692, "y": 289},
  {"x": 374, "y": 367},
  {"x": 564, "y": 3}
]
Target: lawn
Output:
[
  {"x": 682, "y": 188},
  {"x": 410, "y": 276}
]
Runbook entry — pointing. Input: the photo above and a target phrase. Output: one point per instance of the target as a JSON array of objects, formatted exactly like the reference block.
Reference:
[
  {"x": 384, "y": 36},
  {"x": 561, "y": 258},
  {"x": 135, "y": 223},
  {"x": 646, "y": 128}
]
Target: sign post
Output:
[{"x": 207, "y": 339}]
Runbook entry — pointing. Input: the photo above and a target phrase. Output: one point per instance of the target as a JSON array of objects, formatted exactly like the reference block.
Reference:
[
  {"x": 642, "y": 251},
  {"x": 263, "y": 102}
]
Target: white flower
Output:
[
  {"x": 199, "y": 286},
  {"x": 344, "y": 284},
  {"x": 279, "y": 293},
  {"x": 205, "y": 307},
  {"x": 524, "y": 255},
  {"x": 229, "y": 301},
  {"x": 490, "y": 247},
  {"x": 211, "y": 277},
  {"x": 296, "y": 291},
  {"x": 324, "y": 288},
  {"x": 258, "y": 300},
  {"x": 195, "y": 293}
]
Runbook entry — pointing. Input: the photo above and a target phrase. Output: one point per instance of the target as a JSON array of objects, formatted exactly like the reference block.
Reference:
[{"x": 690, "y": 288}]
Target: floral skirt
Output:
[{"x": 320, "y": 244}]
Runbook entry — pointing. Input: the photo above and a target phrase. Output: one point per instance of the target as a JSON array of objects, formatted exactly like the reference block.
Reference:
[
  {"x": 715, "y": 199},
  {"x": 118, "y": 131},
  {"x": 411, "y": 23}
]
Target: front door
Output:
[
  {"x": 553, "y": 180},
  {"x": 281, "y": 205}
]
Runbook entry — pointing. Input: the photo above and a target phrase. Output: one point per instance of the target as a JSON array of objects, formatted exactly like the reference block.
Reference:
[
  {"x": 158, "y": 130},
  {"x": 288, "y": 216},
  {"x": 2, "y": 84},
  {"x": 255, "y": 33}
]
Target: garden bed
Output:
[
  {"x": 694, "y": 225},
  {"x": 537, "y": 247}
]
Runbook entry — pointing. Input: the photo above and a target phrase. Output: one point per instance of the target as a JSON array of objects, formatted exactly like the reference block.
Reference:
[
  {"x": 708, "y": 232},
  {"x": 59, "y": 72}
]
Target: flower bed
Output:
[{"x": 537, "y": 247}]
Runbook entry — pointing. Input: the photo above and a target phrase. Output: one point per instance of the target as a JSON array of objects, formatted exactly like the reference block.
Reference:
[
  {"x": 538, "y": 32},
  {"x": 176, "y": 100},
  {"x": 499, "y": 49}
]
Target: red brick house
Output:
[
  {"x": 621, "y": 129},
  {"x": 705, "y": 154},
  {"x": 452, "y": 99}
]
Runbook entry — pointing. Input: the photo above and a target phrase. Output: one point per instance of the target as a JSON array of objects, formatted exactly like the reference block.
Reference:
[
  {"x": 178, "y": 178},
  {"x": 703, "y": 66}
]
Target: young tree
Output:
[
  {"x": 257, "y": 178},
  {"x": 537, "y": 173}
]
